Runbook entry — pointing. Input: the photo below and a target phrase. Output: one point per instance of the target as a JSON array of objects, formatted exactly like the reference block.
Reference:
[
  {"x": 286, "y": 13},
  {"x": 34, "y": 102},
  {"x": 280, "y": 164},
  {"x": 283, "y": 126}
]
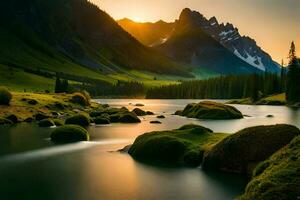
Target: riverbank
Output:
[
  {"x": 273, "y": 100},
  {"x": 27, "y": 105}
]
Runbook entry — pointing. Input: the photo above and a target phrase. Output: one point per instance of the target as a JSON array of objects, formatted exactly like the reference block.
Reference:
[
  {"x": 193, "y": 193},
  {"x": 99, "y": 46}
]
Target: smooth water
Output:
[{"x": 31, "y": 167}]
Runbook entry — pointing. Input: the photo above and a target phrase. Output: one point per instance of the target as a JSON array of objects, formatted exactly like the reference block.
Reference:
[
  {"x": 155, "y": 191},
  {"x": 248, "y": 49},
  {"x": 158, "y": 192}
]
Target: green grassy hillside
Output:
[
  {"x": 18, "y": 80},
  {"x": 74, "y": 37}
]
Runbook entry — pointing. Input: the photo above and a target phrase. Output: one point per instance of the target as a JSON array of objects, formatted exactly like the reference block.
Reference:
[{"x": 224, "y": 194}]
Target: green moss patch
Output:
[
  {"x": 101, "y": 120},
  {"x": 69, "y": 134},
  {"x": 181, "y": 147},
  {"x": 116, "y": 115},
  {"x": 211, "y": 110},
  {"x": 46, "y": 123},
  {"x": 139, "y": 112},
  {"x": 80, "y": 119},
  {"x": 278, "y": 177},
  {"x": 242, "y": 151}
]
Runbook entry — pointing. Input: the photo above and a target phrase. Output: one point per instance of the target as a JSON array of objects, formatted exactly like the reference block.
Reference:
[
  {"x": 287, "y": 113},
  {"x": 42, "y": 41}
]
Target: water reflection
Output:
[{"x": 31, "y": 167}]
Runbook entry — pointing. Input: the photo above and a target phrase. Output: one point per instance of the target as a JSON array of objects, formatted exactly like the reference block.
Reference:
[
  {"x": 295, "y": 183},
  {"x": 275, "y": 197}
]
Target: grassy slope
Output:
[
  {"x": 45, "y": 105},
  {"x": 17, "y": 52},
  {"x": 18, "y": 80}
]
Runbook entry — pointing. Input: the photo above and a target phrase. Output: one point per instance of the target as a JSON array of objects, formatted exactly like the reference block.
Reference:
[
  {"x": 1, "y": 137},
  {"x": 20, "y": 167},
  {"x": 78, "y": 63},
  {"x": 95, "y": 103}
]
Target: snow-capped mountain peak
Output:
[{"x": 242, "y": 46}]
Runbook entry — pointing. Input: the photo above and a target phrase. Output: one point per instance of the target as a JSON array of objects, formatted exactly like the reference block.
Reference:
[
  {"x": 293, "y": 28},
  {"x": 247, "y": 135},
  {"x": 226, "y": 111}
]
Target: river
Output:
[{"x": 31, "y": 167}]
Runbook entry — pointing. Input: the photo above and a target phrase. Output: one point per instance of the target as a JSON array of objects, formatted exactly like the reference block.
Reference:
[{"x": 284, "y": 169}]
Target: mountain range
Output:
[
  {"x": 79, "y": 40},
  {"x": 189, "y": 40}
]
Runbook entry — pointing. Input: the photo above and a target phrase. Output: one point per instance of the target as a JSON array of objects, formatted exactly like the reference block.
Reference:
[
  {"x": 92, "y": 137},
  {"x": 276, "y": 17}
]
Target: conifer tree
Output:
[
  {"x": 293, "y": 76},
  {"x": 58, "y": 85}
]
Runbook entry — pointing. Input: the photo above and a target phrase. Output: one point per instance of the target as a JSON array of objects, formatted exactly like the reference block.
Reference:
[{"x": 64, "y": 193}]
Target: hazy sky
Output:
[{"x": 272, "y": 23}]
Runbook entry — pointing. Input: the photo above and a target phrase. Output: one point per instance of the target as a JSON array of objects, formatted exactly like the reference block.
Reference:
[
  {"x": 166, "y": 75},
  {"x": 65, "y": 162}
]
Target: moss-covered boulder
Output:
[
  {"x": 4, "y": 121},
  {"x": 32, "y": 102},
  {"x": 5, "y": 96},
  {"x": 129, "y": 117},
  {"x": 79, "y": 98},
  {"x": 13, "y": 118},
  {"x": 211, "y": 110},
  {"x": 242, "y": 151},
  {"x": 58, "y": 122},
  {"x": 46, "y": 123},
  {"x": 101, "y": 120},
  {"x": 80, "y": 119},
  {"x": 69, "y": 134},
  {"x": 181, "y": 147},
  {"x": 41, "y": 116},
  {"x": 149, "y": 113},
  {"x": 278, "y": 177},
  {"x": 155, "y": 122},
  {"x": 196, "y": 128},
  {"x": 139, "y": 112},
  {"x": 178, "y": 112},
  {"x": 29, "y": 120}
]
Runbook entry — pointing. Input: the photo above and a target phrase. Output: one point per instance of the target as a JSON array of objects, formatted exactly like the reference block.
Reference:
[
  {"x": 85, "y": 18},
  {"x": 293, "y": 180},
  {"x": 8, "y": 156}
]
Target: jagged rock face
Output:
[
  {"x": 242, "y": 46},
  {"x": 191, "y": 44}
]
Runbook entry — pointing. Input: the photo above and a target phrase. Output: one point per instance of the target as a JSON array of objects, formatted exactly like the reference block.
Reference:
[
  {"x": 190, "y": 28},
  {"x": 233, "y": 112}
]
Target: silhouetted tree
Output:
[
  {"x": 58, "y": 85},
  {"x": 293, "y": 76}
]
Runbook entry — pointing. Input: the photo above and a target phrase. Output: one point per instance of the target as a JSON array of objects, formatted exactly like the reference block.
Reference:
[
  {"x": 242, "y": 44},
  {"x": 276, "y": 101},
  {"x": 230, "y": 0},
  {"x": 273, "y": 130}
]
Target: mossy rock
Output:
[
  {"x": 79, "y": 98},
  {"x": 29, "y": 120},
  {"x": 129, "y": 118},
  {"x": 181, "y": 147},
  {"x": 13, "y": 118},
  {"x": 139, "y": 112},
  {"x": 46, "y": 123},
  {"x": 149, "y": 113},
  {"x": 80, "y": 119},
  {"x": 178, "y": 112},
  {"x": 211, "y": 110},
  {"x": 278, "y": 177},
  {"x": 155, "y": 122},
  {"x": 196, "y": 128},
  {"x": 4, "y": 121},
  {"x": 41, "y": 116},
  {"x": 69, "y": 134},
  {"x": 58, "y": 122},
  {"x": 32, "y": 102},
  {"x": 161, "y": 117},
  {"x": 101, "y": 120},
  {"x": 5, "y": 96},
  {"x": 242, "y": 151}
]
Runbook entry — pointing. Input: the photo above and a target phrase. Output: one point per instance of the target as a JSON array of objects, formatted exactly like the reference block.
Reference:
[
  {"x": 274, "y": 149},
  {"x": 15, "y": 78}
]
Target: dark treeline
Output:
[
  {"x": 223, "y": 87},
  {"x": 254, "y": 86},
  {"x": 127, "y": 89}
]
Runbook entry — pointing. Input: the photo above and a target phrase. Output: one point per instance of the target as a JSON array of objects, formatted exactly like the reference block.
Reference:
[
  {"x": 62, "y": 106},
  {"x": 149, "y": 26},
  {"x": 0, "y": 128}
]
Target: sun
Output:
[{"x": 137, "y": 19}]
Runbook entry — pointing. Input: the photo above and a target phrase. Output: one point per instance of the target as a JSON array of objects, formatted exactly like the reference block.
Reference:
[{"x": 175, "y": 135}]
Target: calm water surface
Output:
[{"x": 31, "y": 167}]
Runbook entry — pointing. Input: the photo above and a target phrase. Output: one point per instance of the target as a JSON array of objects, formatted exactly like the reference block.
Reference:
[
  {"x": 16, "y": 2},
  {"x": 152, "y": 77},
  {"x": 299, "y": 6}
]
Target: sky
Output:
[{"x": 272, "y": 23}]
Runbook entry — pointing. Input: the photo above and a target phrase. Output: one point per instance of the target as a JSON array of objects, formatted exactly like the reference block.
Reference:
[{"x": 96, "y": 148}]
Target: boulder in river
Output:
[
  {"x": 13, "y": 118},
  {"x": 278, "y": 177},
  {"x": 242, "y": 151},
  {"x": 4, "y": 121},
  {"x": 46, "y": 123},
  {"x": 211, "y": 110},
  {"x": 79, "y": 119},
  {"x": 181, "y": 147},
  {"x": 139, "y": 112},
  {"x": 101, "y": 120},
  {"x": 69, "y": 134}
]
